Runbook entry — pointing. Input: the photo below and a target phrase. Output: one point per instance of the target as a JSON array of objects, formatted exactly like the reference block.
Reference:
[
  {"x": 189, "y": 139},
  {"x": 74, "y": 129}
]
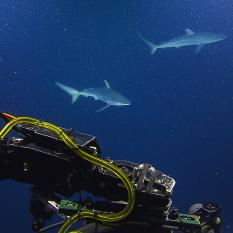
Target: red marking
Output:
[{"x": 8, "y": 115}]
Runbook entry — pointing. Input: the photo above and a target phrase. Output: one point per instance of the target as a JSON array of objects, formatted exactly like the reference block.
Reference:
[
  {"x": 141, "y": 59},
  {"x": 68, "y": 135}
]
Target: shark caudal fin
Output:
[
  {"x": 153, "y": 47},
  {"x": 71, "y": 91}
]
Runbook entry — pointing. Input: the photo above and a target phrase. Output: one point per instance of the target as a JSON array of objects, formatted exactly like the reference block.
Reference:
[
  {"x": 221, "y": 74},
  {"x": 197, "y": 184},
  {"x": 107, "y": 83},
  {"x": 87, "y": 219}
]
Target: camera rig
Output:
[{"x": 42, "y": 157}]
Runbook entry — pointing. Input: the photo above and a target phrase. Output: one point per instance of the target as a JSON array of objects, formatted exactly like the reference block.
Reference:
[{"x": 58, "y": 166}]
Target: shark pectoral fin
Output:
[
  {"x": 103, "y": 108},
  {"x": 75, "y": 97},
  {"x": 199, "y": 48},
  {"x": 107, "y": 84}
]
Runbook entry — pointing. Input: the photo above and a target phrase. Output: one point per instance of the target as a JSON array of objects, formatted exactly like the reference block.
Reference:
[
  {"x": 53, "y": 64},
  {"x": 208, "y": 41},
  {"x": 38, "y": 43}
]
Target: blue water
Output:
[{"x": 181, "y": 116}]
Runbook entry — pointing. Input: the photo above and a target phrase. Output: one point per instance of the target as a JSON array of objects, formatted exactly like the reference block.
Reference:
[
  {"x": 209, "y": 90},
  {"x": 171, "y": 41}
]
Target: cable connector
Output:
[{"x": 68, "y": 208}]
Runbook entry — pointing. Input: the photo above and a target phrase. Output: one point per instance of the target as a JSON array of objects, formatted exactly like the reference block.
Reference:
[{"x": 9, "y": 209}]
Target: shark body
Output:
[
  {"x": 190, "y": 38},
  {"x": 105, "y": 94}
]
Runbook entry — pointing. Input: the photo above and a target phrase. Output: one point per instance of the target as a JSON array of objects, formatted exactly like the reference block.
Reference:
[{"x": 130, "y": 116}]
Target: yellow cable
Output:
[{"x": 104, "y": 217}]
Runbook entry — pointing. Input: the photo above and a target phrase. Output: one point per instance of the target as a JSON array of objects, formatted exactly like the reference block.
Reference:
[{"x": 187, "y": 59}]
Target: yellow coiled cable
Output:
[{"x": 104, "y": 217}]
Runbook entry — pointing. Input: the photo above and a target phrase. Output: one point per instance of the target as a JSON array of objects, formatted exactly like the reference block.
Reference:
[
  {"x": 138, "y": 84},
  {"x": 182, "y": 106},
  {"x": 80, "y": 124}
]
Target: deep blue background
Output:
[{"x": 181, "y": 117}]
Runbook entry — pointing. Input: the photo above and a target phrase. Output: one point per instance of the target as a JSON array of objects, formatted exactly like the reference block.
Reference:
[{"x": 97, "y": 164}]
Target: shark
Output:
[
  {"x": 105, "y": 94},
  {"x": 190, "y": 38}
]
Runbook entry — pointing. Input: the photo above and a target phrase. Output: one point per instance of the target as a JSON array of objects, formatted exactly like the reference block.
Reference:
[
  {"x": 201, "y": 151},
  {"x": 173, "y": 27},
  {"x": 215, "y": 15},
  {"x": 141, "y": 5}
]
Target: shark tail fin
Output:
[
  {"x": 71, "y": 91},
  {"x": 153, "y": 47}
]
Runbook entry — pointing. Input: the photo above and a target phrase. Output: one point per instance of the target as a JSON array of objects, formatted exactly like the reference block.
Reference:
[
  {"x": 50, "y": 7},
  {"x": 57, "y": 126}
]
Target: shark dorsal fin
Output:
[
  {"x": 107, "y": 84},
  {"x": 189, "y": 31}
]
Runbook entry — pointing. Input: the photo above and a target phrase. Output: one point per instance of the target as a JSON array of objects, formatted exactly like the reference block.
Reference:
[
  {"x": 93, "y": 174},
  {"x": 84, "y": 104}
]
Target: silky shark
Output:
[
  {"x": 200, "y": 39},
  {"x": 105, "y": 94}
]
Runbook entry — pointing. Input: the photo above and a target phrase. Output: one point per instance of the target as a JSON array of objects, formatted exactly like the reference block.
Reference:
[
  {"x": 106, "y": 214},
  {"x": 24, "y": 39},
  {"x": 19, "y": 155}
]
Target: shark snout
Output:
[
  {"x": 220, "y": 37},
  {"x": 224, "y": 37},
  {"x": 123, "y": 103},
  {"x": 126, "y": 102}
]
